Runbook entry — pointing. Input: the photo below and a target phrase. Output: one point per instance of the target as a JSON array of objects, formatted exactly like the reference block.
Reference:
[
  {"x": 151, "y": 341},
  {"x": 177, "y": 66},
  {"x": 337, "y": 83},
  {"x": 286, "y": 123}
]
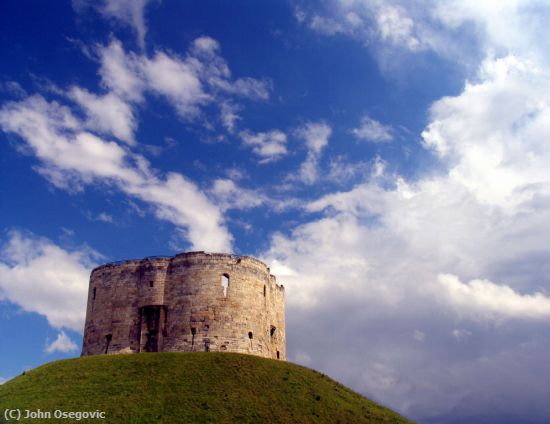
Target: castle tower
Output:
[{"x": 193, "y": 301}]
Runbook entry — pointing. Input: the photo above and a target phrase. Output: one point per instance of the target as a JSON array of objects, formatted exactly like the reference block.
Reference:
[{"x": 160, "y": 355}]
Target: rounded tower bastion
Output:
[{"x": 193, "y": 301}]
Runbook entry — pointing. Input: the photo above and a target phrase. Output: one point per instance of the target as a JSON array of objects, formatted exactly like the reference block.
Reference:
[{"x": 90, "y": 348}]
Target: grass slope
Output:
[{"x": 190, "y": 387}]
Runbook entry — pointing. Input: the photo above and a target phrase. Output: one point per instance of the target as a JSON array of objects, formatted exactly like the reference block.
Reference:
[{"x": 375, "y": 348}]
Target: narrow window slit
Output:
[
  {"x": 108, "y": 339},
  {"x": 225, "y": 284}
]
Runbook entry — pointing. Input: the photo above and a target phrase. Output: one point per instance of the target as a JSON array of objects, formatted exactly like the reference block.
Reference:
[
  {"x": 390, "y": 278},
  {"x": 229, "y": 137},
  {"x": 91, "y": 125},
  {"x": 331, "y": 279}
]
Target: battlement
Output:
[{"x": 192, "y": 301}]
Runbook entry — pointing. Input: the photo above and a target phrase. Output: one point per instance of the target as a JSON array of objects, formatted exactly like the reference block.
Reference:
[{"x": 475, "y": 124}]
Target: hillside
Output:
[{"x": 190, "y": 387}]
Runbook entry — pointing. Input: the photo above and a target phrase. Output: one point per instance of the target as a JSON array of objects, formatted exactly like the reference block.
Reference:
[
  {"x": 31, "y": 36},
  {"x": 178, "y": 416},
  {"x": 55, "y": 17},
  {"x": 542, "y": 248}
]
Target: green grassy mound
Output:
[{"x": 189, "y": 388}]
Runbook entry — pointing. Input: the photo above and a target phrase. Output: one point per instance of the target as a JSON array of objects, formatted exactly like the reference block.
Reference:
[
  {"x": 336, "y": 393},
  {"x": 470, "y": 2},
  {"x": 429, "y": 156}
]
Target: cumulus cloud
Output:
[
  {"x": 72, "y": 152},
  {"x": 229, "y": 116},
  {"x": 513, "y": 26},
  {"x": 104, "y": 217},
  {"x": 70, "y": 157},
  {"x": 269, "y": 146},
  {"x": 458, "y": 30},
  {"x": 325, "y": 25},
  {"x": 42, "y": 277},
  {"x": 394, "y": 31},
  {"x": 199, "y": 78},
  {"x": 396, "y": 26},
  {"x": 372, "y": 130},
  {"x": 315, "y": 136},
  {"x": 483, "y": 297},
  {"x": 230, "y": 196},
  {"x": 121, "y": 72},
  {"x": 373, "y": 259},
  {"x": 495, "y": 130},
  {"x": 392, "y": 24},
  {"x": 129, "y": 12},
  {"x": 62, "y": 343},
  {"x": 107, "y": 114},
  {"x": 452, "y": 266},
  {"x": 177, "y": 80}
]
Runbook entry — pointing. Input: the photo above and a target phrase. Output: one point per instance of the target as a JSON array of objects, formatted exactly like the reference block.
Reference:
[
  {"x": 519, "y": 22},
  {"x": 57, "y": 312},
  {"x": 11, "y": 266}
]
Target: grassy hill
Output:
[{"x": 190, "y": 387}]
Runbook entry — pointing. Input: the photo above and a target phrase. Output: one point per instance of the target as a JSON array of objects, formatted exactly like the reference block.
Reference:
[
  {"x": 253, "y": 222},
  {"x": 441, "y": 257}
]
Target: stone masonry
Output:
[{"x": 193, "y": 301}]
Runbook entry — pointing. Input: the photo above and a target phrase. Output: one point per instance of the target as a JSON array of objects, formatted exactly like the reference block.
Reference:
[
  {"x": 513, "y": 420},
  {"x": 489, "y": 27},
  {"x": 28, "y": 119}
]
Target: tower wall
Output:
[{"x": 180, "y": 304}]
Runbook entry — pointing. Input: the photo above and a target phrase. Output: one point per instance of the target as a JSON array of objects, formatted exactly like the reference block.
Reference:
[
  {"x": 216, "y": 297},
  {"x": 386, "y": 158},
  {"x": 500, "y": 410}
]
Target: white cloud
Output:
[
  {"x": 251, "y": 88},
  {"x": 107, "y": 114},
  {"x": 461, "y": 334},
  {"x": 379, "y": 24},
  {"x": 177, "y": 80},
  {"x": 101, "y": 217},
  {"x": 512, "y": 26},
  {"x": 188, "y": 83},
  {"x": 280, "y": 270},
  {"x": 129, "y": 12},
  {"x": 13, "y": 88},
  {"x": 342, "y": 171},
  {"x": 376, "y": 255},
  {"x": 494, "y": 133},
  {"x": 419, "y": 336},
  {"x": 178, "y": 200},
  {"x": 121, "y": 72},
  {"x": 485, "y": 298},
  {"x": 62, "y": 343},
  {"x": 43, "y": 278},
  {"x": 396, "y": 26},
  {"x": 395, "y": 31},
  {"x": 105, "y": 217},
  {"x": 72, "y": 157},
  {"x": 373, "y": 259},
  {"x": 325, "y": 26},
  {"x": 229, "y": 195},
  {"x": 372, "y": 130},
  {"x": 229, "y": 116},
  {"x": 270, "y": 146},
  {"x": 3, "y": 380},
  {"x": 316, "y": 136},
  {"x": 206, "y": 45},
  {"x": 216, "y": 73}
]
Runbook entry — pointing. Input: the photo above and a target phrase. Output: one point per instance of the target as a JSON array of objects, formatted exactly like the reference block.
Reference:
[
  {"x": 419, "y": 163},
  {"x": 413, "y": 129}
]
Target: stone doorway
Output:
[{"x": 153, "y": 325}]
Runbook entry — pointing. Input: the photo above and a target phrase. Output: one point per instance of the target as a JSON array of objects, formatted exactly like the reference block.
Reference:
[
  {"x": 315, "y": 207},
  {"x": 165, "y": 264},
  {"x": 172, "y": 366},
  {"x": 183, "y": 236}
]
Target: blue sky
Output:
[{"x": 387, "y": 159}]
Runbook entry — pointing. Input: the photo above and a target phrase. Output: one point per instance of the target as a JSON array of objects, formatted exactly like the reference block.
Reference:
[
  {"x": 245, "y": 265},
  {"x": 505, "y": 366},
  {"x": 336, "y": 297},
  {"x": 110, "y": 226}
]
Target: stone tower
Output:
[{"x": 193, "y": 301}]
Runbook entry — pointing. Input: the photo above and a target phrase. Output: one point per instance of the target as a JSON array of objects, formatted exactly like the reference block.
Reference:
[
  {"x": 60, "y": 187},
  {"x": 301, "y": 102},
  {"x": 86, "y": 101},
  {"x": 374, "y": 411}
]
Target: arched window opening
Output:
[
  {"x": 264, "y": 290},
  {"x": 250, "y": 335},
  {"x": 272, "y": 330},
  {"x": 225, "y": 284},
  {"x": 278, "y": 355},
  {"x": 151, "y": 283},
  {"x": 108, "y": 339},
  {"x": 94, "y": 292}
]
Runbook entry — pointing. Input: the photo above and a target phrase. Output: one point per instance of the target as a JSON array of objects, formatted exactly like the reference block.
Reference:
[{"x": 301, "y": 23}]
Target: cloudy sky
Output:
[{"x": 390, "y": 160}]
